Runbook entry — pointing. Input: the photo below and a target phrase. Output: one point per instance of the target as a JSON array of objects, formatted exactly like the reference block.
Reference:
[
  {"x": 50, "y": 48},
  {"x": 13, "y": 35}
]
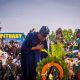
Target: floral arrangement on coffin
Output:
[{"x": 53, "y": 67}]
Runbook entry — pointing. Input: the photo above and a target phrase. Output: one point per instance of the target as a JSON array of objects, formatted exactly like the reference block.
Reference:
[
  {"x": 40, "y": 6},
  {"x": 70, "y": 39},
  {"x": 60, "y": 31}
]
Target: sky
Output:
[{"x": 23, "y": 15}]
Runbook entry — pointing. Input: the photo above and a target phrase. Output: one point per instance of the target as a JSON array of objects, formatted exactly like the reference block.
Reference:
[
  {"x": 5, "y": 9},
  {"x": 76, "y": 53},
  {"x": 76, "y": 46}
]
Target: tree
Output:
[{"x": 52, "y": 36}]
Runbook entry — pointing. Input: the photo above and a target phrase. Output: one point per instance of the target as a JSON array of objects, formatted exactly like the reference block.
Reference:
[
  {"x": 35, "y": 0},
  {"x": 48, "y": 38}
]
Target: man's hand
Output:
[{"x": 38, "y": 47}]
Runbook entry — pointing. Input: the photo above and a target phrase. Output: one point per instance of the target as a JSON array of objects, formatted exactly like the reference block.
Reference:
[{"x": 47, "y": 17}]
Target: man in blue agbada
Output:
[{"x": 30, "y": 52}]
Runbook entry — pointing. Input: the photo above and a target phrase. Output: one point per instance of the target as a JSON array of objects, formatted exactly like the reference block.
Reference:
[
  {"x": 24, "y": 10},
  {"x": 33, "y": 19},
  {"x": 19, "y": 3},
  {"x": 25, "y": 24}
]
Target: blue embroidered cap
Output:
[{"x": 44, "y": 30}]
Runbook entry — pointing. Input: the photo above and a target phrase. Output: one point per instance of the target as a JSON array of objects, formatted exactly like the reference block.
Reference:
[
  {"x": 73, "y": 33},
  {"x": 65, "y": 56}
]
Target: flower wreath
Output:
[{"x": 46, "y": 63}]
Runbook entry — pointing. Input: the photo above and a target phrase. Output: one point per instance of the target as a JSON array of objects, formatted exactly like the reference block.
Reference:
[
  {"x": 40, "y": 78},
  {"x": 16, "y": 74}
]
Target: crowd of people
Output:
[
  {"x": 12, "y": 53},
  {"x": 10, "y": 65},
  {"x": 71, "y": 45}
]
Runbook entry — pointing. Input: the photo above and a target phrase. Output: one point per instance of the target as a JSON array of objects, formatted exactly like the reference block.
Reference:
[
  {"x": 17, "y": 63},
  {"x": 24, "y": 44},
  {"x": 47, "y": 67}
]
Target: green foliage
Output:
[
  {"x": 68, "y": 35},
  {"x": 57, "y": 50},
  {"x": 52, "y": 36}
]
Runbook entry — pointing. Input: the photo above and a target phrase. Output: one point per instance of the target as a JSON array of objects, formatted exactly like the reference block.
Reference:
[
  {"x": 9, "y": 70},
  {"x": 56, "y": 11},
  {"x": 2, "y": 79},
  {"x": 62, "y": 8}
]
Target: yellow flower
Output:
[{"x": 50, "y": 76}]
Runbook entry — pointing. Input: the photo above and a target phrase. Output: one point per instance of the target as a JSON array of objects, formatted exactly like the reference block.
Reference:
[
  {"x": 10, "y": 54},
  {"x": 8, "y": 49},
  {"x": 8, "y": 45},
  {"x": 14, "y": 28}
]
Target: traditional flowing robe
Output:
[{"x": 29, "y": 57}]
